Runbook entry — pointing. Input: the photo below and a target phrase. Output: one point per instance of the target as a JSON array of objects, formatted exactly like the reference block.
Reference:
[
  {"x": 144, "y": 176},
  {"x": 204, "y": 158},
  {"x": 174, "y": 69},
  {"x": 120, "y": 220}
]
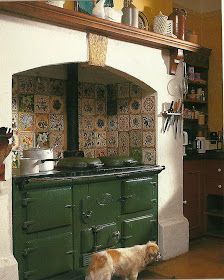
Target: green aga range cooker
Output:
[{"x": 61, "y": 218}]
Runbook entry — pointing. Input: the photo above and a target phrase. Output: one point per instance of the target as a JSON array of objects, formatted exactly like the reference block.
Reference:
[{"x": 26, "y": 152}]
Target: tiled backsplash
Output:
[
  {"x": 130, "y": 130},
  {"x": 116, "y": 119},
  {"x": 38, "y": 108}
]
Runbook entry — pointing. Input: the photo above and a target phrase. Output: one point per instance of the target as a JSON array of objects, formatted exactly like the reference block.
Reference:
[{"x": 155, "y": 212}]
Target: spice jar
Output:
[{"x": 201, "y": 119}]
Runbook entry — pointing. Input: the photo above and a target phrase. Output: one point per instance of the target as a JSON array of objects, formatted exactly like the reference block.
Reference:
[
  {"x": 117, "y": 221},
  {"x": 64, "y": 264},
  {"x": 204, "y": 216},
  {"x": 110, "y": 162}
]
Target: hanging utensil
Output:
[{"x": 168, "y": 116}]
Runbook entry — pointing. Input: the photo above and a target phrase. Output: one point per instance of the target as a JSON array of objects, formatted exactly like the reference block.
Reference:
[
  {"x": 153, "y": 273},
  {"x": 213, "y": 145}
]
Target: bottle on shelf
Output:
[
  {"x": 127, "y": 16},
  {"x": 178, "y": 16},
  {"x": 220, "y": 140},
  {"x": 130, "y": 14}
]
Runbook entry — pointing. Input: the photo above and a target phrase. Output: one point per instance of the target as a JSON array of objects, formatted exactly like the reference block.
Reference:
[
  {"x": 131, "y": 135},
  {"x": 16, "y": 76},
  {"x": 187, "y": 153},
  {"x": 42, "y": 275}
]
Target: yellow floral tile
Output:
[{"x": 26, "y": 140}]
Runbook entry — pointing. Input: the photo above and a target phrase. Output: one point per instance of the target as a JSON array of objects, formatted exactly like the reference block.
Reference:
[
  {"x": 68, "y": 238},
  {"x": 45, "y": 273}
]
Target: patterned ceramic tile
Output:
[
  {"x": 123, "y": 90},
  {"x": 88, "y": 106},
  {"x": 148, "y": 122},
  {"x": 112, "y": 152},
  {"x": 26, "y": 140},
  {"x": 135, "y": 121},
  {"x": 148, "y": 139},
  {"x": 122, "y": 106},
  {"x": 15, "y": 121},
  {"x": 56, "y": 142},
  {"x": 112, "y": 139},
  {"x": 56, "y": 87},
  {"x": 123, "y": 143},
  {"x": 136, "y": 138},
  {"x": 123, "y": 122},
  {"x": 136, "y": 153},
  {"x": 87, "y": 140},
  {"x": 42, "y": 139},
  {"x": 112, "y": 123},
  {"x": 57, "y": 104},
  {"x": 149, "y": 156},
  {"x": 26, "y": 103},
  {"x": 100, "y": 92},
  {"x": 101, "y": 139},
  {"x": 101, "y": 122},
  {"x": 101, "y": 152},
  {"x": 41, "y": 104},
  {"x": 15, "y": 140},
  {"x": 56, "y": 122},
  {"x": 87, "y": 123},
  {"x": 15, "y": 104},
  {"x": 26, "y": 121},
  {"x": 148, "y": 104},
  {"x": 25, "y": 85},
  {"x": 14, "y": 85},
  {"x": 100, "y": 107},
  {"x": 135, "y": 91},
  {"x": 88, "y": 90},
  {"x": 135, "y": 106},
  {"x": 42, "y": 122},
  {"x": 41, "y": 86},
  {"x": 90, "y": 153}
]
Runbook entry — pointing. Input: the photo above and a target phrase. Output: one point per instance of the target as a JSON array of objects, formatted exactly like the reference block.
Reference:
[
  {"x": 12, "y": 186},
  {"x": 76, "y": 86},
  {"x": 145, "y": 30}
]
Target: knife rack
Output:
[{"x": 172, "y": 116}]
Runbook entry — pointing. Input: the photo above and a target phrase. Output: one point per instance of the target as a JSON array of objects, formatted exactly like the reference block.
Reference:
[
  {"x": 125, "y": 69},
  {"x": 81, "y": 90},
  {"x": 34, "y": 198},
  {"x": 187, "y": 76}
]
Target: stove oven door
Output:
[
  {"x": 48, "y": 256},
  {"x": 138, "y": 194},
  {"x": 139, "y": 230},
  {"x": 99, "y": 237},
  {"x": 47, "y": 209}
]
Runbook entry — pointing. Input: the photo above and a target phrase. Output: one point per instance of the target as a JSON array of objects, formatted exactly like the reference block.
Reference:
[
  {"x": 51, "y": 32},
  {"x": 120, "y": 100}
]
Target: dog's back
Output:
[{"x": 125, "y": 262}]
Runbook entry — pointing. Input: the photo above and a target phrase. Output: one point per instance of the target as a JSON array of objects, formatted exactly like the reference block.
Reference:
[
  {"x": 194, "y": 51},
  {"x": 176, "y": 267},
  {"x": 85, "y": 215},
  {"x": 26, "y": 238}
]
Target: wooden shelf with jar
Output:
[
  {"x": 197, "y": 82},
  {"x": 196, "y": 99}
]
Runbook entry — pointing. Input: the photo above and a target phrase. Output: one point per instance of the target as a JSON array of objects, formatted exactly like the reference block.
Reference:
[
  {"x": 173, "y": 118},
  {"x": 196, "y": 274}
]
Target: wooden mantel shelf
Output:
[{"x": 43, "y": 12}]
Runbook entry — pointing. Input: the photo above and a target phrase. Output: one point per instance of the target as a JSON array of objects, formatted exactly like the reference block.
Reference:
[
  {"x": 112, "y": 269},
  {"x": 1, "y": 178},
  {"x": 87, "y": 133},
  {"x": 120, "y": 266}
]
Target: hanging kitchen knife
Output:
[
  {"x": 173, "y": 117},
  {"x": 178, "y": 110},
  {"x": 168, "y": 116}
]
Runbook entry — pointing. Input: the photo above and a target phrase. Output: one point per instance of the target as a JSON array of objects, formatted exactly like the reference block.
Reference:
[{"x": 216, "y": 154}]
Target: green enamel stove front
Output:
[{"x": 57, "y": 225}]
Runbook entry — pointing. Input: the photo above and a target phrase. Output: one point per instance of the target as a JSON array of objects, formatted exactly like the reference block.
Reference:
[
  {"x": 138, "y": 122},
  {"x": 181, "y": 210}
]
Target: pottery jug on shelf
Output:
[
  {"x": 98, "y": 9},
  {"x": 178, "y": 17},
  {"x": 160, "y": 24}
]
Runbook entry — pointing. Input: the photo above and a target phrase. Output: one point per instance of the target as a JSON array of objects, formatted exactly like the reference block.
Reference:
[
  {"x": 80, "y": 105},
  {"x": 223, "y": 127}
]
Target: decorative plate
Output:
[{"x": 143, "y": 21}]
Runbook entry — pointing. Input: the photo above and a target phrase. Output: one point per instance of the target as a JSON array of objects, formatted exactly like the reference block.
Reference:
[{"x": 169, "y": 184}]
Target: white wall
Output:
[{"x": 26, "y": 45}]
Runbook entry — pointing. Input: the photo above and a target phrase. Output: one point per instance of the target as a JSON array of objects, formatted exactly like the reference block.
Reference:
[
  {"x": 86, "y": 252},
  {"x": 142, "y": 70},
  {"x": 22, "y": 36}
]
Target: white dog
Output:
[{"x": 123, "y": 262}]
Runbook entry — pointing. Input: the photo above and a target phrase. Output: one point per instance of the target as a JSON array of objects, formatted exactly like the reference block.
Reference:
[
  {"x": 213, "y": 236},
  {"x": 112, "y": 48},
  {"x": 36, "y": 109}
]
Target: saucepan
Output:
[
  {"x": 29, "y": 166},
  {"x": 44, "y": 158}
]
